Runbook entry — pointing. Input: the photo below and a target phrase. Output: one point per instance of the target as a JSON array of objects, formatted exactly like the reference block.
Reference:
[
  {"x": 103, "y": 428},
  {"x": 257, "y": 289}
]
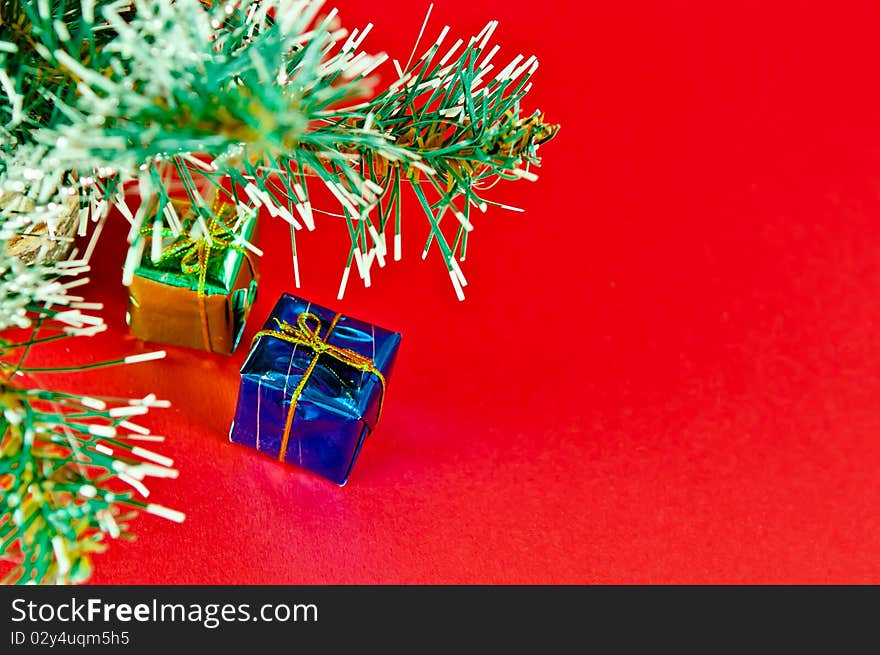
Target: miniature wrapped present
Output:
[
  {"x": 312, "y": 387},
  {"x": 200, "y": 291}
]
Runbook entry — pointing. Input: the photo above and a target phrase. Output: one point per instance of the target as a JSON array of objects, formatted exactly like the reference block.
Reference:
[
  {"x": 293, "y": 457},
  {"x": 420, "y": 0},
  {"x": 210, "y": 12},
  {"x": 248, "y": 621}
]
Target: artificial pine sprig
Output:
[
  {"x": 30, "y": 78},
  {"x": 451, "y": 131},
  {"x": 72, "y": 468},
  {"x": 71, "y": 475},
  {"x": 261, "y": 91}
]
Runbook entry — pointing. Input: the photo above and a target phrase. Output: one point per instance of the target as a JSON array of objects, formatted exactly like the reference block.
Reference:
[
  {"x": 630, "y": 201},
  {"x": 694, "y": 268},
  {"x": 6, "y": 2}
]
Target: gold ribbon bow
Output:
[
  {"x": 195, "y": 255},
  {"x": 307, "y": 332}
]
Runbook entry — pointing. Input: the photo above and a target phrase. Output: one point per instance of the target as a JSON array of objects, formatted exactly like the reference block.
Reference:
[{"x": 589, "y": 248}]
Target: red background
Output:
[{"x": 667, "y": 370}]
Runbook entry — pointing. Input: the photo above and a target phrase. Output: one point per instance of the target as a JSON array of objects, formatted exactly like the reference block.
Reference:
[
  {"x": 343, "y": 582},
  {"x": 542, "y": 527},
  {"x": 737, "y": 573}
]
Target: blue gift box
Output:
[{"x": 312, "y": 387}]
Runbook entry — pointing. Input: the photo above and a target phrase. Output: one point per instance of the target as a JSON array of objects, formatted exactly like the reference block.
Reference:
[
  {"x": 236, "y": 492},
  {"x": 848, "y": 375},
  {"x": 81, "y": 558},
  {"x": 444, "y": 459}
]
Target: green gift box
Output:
[{"x": 200, "y": 292}]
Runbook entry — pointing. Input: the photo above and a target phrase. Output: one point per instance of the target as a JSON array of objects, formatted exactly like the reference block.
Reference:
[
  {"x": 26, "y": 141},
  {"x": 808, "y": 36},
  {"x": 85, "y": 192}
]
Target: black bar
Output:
[{"x": 285, "y": 619}]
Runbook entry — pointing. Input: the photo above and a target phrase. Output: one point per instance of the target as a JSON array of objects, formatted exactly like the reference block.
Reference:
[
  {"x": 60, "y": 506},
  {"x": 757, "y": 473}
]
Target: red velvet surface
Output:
[{"x": 666, "y": 370}]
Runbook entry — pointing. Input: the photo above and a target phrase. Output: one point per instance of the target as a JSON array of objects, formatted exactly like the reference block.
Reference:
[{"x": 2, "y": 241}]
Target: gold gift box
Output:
[{"x": 167, "y": 306}]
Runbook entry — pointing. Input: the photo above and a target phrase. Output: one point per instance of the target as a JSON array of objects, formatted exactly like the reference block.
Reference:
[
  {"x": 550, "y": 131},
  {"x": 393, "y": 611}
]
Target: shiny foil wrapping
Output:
[
  {"x": 164, "y": 303},
  {"x": 338, "y": 406}
]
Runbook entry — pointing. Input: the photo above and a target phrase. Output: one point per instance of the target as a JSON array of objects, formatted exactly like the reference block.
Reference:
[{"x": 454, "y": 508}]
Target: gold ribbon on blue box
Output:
[
  {"x": 312, "y": 387},
  {"x": 200, "y": 291}
]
